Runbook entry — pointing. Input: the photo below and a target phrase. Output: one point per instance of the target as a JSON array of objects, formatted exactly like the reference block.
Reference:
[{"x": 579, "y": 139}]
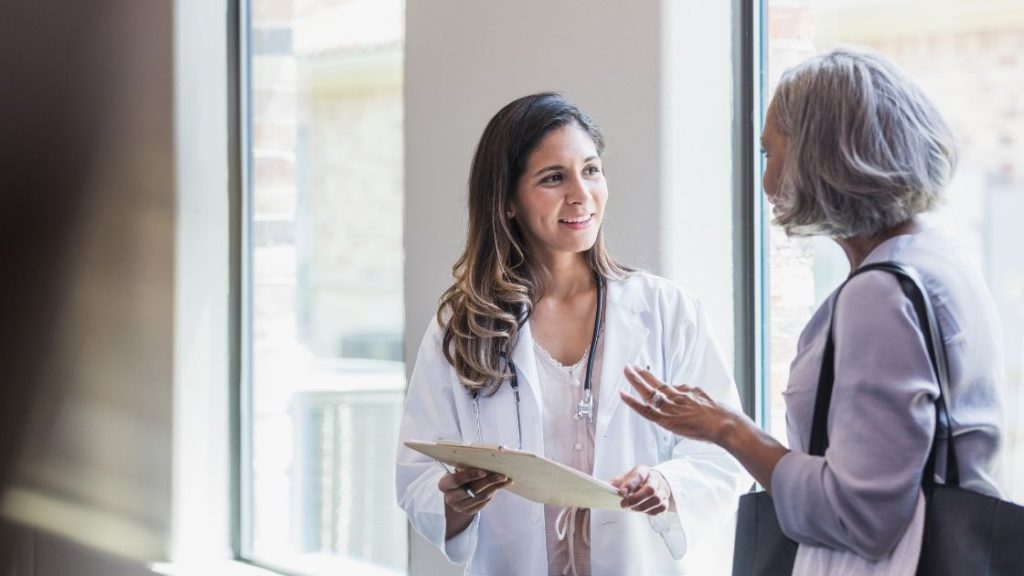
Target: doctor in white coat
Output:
[{"x": 537, "y": 296}]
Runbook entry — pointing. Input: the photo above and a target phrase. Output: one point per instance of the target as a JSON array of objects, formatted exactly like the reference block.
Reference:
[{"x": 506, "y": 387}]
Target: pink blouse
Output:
[{"x": 568, "y": 439}]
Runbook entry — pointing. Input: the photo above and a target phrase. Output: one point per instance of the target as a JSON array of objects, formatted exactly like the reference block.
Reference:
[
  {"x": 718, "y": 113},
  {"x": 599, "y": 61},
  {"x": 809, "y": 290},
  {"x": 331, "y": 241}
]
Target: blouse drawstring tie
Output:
[{"x": 565, "y": 528}]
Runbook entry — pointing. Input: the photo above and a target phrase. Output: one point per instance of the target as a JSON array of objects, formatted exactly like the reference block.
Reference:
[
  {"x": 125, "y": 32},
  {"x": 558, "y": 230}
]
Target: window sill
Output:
[
  {"x": 214, "y": 568},
  {"x": 241, "y": 568}
]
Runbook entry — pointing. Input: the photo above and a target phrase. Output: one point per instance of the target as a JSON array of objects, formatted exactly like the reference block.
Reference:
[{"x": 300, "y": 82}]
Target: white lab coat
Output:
[{"x": 649, "y": 321}]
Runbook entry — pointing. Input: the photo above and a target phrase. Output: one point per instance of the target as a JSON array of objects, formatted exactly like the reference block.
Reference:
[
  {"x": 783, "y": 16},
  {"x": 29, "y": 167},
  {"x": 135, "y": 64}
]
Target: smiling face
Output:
[{"x": 560, "y": 198}]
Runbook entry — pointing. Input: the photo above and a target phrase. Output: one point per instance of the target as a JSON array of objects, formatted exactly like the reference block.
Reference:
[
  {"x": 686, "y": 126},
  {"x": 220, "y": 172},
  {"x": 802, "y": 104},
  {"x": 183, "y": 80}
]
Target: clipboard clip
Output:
[{"x": 469, "y": 491}]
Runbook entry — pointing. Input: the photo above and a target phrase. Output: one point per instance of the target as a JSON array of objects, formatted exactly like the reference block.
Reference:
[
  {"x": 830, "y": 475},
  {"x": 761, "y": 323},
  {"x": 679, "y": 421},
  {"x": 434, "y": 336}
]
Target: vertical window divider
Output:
[
  {"x": 239, "y": 142},
  {"x": 748, "y": 239}
]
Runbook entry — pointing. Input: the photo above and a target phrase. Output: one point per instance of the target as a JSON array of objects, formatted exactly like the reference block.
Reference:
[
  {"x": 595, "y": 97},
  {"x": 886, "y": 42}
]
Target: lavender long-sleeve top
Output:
[{"x": 860, "y": 496}]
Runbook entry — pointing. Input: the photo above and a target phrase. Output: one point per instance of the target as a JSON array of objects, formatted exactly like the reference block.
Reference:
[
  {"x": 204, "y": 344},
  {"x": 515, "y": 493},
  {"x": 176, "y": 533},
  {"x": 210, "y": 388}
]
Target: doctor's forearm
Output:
[
  {"x": 455, "y": 522},
  {"x": 754, "y": 448}
]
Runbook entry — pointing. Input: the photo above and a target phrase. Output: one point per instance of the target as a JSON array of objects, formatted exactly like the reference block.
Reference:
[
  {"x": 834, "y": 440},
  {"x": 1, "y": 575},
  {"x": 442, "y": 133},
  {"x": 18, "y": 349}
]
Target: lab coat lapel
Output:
[{"x": 624, "y": 336}]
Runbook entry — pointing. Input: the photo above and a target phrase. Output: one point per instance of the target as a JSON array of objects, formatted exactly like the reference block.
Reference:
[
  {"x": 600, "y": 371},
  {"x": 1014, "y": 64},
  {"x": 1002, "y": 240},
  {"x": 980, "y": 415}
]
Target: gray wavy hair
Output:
[{"x": 866, "y": 149}]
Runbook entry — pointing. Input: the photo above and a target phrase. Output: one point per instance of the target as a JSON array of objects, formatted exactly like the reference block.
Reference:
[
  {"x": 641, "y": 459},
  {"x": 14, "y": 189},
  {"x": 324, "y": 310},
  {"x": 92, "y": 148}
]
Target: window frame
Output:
[{"x": 750, "y": 236}]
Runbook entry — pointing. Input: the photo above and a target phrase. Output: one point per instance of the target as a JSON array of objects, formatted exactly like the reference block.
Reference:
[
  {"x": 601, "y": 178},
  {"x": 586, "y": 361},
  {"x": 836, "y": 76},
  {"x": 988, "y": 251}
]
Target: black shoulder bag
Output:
[{"x": 965, "y": 532}]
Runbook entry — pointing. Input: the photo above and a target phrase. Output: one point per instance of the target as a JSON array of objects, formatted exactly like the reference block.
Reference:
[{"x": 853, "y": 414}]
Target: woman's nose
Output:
[{"x": 578, "y": 191}]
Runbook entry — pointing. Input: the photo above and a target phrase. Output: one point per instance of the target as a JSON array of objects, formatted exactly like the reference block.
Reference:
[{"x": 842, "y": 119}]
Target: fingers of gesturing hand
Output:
[
  {"x": 659, "y": 395},
  {"x": 644, "y": 386},
  {"x": 673, "y": 392},
  {"x": 652, "y": 381},
  {"x": 646, "y": 410},
  {"x": 664, "y": 398}
]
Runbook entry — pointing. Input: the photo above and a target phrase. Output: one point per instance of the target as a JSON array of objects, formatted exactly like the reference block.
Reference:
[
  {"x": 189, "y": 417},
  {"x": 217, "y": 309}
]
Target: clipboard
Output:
[{"x": 533, "y": 477}]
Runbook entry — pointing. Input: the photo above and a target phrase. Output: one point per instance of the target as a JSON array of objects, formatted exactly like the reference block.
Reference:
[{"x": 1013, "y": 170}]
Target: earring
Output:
[{"x": 510, "y": 214}]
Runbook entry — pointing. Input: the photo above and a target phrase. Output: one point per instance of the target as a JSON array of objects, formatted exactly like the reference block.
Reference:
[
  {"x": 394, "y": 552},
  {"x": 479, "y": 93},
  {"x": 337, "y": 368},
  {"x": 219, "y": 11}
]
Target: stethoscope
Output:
[{"x": 585, "y": 408}]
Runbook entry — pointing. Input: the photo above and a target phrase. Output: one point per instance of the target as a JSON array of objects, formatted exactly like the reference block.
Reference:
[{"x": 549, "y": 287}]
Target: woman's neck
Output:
[
  {"x": 563, "y": 318},
  {"x": 568, "y": 275},
  {"x": 857, "y": 248}
]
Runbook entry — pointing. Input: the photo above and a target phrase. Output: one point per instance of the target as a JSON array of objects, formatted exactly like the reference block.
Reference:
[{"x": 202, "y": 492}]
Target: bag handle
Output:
[{"x": 913, "y": 287}]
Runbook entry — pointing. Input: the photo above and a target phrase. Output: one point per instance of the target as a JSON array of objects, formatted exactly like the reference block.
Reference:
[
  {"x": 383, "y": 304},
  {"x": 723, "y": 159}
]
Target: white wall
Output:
[
  {"x": 654, "y": 74},
  {"x": 698, "y": 228}
]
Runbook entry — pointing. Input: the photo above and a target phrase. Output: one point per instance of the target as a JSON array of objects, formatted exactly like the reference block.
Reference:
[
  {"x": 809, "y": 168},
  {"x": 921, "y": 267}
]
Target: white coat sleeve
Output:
[
  {"x": 706, "y": 481},
  {"x": 429, "y": 415}
]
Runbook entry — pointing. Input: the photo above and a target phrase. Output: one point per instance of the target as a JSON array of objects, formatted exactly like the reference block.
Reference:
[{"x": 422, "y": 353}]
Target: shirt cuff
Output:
[
  {"x": 459, "y": 548},
  {"x": 668, "y": 524}
]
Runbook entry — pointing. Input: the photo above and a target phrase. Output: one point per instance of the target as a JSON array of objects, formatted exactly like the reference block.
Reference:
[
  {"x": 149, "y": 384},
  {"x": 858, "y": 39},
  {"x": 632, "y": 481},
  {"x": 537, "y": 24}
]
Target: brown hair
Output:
[{"x": 496, "y": 281}]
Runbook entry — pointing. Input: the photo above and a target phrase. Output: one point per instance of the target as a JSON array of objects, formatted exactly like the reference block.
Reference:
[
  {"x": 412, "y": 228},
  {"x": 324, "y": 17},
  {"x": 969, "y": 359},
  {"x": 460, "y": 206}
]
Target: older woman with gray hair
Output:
[{"x": 856, "y": 152}]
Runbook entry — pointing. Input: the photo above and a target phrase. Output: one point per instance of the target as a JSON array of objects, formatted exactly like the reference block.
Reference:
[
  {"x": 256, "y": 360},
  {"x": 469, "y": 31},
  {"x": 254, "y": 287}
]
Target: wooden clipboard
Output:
[{"x": 533, "y": 477}]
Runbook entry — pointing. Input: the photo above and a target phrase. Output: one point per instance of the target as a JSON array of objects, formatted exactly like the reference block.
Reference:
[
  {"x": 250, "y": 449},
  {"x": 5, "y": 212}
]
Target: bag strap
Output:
[{"x": 913, "y": 287}]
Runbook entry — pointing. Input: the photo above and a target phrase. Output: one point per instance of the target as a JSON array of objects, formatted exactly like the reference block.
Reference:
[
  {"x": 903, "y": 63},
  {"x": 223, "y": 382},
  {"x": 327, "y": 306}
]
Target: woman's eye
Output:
[
  {"x": 552, "y": 179},
  {"x": 591, "y": 170}
]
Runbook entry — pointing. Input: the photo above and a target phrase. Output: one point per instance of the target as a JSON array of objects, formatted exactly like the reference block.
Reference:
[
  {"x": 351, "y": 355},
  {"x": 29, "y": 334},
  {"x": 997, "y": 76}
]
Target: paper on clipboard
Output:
[{"x": 533, "y": 477}]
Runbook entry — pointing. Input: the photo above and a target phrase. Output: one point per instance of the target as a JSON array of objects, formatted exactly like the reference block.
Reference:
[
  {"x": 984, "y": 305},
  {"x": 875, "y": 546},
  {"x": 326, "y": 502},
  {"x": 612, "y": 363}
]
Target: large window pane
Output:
[
  {"x": 325, "y": 239},
  {"x": 966, "y": 54}
]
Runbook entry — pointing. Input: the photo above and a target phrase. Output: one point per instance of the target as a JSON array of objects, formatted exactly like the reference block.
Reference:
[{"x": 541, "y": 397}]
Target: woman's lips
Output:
[{"x": 578, "y": 223}]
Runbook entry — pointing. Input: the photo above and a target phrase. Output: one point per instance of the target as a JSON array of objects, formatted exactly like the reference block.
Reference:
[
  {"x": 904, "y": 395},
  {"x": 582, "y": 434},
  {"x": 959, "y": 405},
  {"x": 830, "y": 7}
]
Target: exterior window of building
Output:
[
  {"x": 967, "y": 56},
  {"x": 325, "y": 377}
]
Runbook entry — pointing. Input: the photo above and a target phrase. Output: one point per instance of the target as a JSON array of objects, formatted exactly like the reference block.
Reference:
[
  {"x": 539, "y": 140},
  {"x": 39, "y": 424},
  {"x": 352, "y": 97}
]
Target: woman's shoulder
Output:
[
  {"x": 433, "y": 334},
  {"x": 952, "y": 281},
  {"x": 647, "y": 290}
]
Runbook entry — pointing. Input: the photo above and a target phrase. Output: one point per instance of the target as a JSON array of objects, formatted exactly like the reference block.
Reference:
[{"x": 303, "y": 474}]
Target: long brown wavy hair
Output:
[{"x": 497, "y": 282}]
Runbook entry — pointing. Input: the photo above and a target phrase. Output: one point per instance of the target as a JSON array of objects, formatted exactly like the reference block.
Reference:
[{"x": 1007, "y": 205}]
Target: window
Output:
[
  {"x": 324, "y": 322},
  {"x": 967, "y": 58}
]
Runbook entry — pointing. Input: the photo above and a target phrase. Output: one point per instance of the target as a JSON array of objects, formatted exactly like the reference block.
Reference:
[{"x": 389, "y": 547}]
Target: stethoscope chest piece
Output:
[{"x": 585, "y": 409}]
